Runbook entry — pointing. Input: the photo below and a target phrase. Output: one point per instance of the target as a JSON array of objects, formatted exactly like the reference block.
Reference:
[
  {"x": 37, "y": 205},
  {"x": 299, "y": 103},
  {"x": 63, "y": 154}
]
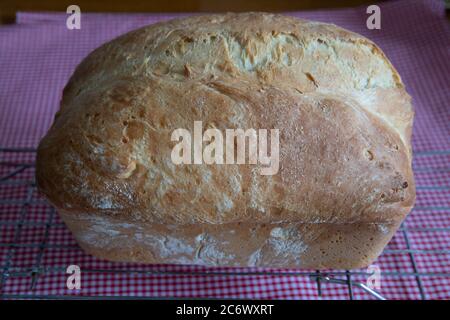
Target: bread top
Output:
[{"x": 344, "y": 118}]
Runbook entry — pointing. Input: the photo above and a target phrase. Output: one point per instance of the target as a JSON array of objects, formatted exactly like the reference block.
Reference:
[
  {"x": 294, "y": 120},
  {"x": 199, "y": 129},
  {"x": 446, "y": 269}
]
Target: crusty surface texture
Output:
[{"x": 344, "y": 117}]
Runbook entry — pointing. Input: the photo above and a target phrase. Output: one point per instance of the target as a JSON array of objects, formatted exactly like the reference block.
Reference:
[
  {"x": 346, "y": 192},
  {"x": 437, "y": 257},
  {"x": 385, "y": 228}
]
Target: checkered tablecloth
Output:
[{"x": 37, "y": 56}]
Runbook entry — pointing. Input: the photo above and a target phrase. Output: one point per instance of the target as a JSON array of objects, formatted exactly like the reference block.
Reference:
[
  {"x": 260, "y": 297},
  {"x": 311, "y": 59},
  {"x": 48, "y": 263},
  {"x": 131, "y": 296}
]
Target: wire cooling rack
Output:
[{"x": 36, "y": 248}]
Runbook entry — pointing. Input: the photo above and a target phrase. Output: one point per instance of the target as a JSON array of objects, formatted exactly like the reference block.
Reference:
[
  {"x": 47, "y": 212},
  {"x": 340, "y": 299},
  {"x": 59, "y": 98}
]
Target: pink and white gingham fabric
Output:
[{"x": 38, "y": 55}]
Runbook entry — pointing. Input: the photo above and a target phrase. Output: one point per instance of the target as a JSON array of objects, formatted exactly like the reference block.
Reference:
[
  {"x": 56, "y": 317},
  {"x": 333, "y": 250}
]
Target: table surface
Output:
[{"x": 8, "y": 8}]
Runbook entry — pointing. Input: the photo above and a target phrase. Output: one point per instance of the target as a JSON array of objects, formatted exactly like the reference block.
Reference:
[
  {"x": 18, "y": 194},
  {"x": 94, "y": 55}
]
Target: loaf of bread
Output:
[{"x": 344, "y": 181}]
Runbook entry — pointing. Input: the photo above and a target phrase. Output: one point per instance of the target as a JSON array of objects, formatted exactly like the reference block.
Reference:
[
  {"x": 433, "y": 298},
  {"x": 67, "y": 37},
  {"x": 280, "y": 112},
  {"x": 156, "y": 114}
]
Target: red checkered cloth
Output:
[{"x": 37, "y": 56}]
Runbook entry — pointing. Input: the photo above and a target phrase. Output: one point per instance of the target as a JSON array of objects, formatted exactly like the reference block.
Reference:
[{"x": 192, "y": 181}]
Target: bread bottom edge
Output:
[{"x": 277, "y": 245}]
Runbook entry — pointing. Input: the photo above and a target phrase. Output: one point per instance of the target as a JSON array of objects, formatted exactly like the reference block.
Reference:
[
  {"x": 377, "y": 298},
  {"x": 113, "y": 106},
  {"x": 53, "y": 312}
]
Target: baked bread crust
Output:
[{"x": 344, "y": 116}]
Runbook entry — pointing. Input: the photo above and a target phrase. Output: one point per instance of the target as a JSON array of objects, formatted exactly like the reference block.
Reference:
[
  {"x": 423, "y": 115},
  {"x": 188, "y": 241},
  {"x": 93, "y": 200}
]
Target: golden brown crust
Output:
[{"x": 344, "y": 118}]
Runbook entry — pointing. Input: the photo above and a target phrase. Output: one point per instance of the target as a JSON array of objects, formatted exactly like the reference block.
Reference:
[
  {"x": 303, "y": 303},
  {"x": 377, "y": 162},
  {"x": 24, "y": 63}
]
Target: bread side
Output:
[
  {"x": 344, "y": 118},
  {"x": 276, "y": 245}
]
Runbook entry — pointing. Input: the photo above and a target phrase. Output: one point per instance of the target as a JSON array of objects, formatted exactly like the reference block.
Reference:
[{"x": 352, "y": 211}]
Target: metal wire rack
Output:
[{"x": 26, "y": 261}]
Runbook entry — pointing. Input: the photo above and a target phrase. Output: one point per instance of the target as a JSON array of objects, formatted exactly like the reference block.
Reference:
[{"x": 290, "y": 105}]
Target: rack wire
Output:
[{"x": 19, "y": 199}]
